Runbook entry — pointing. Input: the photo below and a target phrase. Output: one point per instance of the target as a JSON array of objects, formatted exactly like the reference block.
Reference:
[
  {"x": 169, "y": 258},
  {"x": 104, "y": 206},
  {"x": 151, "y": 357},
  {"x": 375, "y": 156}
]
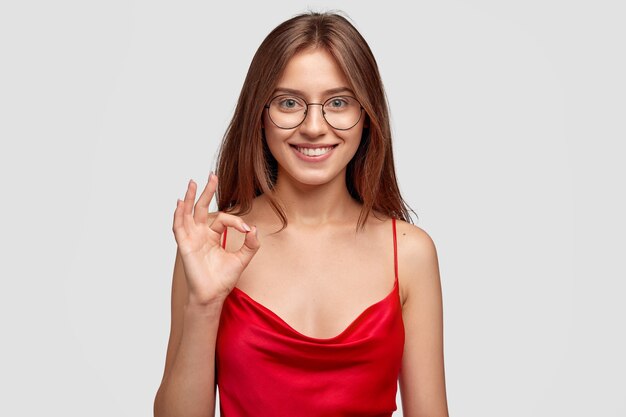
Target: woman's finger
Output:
[
  {"x": 179, "y": 229},
  {"x": 201, "y": 211},
  {"x": 190, "y": 197},
  {"x": 223, "y": 220},
  {"x": 250, "y": 246}
]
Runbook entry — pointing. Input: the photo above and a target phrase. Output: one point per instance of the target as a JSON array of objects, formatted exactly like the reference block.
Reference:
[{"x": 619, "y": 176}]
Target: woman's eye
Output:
[
  {"x": 337, "y": 102},
  {"x": 289, "y": 103}
]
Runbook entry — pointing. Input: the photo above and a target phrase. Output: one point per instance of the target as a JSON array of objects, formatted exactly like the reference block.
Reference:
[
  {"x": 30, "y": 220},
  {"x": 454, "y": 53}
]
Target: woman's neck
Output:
[{"x": 313, "y": 205}]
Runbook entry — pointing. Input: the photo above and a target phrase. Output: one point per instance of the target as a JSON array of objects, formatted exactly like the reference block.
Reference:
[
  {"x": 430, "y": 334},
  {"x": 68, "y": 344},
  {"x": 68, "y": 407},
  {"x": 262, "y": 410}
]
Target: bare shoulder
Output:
[
  {"x": 418, "y": 264},
  {"x": 414, "y": 239}
]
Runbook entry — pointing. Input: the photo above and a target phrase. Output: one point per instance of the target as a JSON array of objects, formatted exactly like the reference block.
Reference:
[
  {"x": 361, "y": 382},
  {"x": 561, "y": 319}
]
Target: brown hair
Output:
[{"x": 245, "y": 166}]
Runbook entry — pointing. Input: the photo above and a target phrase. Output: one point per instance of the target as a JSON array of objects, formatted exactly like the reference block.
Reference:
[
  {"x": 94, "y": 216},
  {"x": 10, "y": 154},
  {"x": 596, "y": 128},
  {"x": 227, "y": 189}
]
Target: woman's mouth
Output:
[
  {"x": 313, "y": 151},
  {"x": 313, "y": 154}
]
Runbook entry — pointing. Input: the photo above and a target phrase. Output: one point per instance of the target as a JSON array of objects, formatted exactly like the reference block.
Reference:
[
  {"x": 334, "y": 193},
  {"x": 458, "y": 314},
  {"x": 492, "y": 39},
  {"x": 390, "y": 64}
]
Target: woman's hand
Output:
[{"x": 211, "y": 271}]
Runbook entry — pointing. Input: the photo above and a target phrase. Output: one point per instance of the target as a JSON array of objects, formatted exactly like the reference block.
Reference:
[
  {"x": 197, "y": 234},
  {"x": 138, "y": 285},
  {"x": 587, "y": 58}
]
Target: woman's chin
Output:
[{"x": 312, "y": 180}]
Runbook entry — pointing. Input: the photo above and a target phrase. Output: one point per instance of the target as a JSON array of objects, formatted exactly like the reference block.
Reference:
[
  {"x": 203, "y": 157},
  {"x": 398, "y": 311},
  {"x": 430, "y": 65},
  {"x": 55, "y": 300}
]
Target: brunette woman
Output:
[{"x": 309, "y": 292}]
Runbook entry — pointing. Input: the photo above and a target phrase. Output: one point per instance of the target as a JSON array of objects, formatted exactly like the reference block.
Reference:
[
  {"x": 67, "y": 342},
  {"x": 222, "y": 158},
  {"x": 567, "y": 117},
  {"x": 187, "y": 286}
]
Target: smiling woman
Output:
[
  {"x": 342, "y": 300},
  {"x": 323, "y": 55},
  {"x": 325, "y": 149}
]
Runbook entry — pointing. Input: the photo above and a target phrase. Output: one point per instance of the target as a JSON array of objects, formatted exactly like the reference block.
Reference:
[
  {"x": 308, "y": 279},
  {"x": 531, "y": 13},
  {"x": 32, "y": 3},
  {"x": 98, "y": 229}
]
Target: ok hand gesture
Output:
[{"x": 211, "y": 271}]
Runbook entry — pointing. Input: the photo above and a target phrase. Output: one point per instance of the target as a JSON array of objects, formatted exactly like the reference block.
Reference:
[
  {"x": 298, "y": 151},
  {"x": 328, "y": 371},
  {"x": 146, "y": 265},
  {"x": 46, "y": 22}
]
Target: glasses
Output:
[{"x": 288, "y": 111}]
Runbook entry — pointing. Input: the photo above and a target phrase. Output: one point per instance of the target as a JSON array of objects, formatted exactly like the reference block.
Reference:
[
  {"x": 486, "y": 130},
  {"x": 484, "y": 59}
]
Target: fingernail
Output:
[
  {"x": 210, "y": 175},
  {"x": 246, "y": 227}
]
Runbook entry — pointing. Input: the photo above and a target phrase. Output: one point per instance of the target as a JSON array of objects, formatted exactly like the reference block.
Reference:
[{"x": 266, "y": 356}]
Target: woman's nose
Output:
[{"x": 314, "y": 123}]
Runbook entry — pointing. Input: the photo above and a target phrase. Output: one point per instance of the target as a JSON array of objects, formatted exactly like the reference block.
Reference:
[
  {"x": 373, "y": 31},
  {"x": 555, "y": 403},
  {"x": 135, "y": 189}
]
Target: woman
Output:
[{"x": 342, "y": 299}]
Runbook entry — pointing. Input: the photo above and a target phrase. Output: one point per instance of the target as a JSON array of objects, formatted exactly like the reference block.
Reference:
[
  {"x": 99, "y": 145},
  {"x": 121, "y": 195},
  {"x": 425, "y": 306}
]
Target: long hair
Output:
[{"x": 245, "y": 166}]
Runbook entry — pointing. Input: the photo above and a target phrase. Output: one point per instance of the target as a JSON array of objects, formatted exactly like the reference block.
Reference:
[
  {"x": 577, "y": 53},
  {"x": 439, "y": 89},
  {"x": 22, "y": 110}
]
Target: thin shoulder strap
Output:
[
  {"x": 224, "y": 239},
  {"x": 395, "y": 248}
]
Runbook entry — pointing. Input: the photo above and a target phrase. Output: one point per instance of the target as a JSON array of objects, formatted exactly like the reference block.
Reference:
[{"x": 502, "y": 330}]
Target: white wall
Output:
[{"x": 509, "y": 128}]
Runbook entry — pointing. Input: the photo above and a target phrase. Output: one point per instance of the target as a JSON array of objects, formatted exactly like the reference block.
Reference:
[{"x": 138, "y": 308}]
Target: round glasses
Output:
[{"x": 288, "y": 111}]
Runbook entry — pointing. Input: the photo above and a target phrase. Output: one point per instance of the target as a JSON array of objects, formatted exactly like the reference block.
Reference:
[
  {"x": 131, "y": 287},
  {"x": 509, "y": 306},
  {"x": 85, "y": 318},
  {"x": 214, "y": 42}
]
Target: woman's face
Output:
[{"x": 314, "y": 76}]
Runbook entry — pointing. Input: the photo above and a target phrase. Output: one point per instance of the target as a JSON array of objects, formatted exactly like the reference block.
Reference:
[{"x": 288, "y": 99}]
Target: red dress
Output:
[{"x": 264, "y": 367}]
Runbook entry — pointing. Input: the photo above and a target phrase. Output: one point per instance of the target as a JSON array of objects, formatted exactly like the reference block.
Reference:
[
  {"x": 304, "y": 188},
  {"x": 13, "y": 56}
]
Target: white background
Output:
[{"x": 508, "y": 122}]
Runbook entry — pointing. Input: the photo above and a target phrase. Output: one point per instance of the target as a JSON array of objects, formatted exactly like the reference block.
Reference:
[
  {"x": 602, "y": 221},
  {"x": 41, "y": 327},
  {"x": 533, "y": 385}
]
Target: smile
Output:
[{"x": 313, "y": 152}]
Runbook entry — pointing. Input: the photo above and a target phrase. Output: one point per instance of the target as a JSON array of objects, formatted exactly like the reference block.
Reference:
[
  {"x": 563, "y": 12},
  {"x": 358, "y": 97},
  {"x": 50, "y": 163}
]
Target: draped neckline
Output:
[{"x": 352, "y": 325}]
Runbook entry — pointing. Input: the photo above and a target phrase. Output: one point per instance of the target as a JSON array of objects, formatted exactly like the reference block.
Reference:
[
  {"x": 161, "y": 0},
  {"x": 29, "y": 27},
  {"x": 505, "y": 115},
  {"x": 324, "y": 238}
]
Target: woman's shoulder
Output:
[
  {"x": 413, "y": 241},
  {"x": 412, "y": 232},
  {"x": 408, "y": 229},
  {"x": 417, "y": 257}
]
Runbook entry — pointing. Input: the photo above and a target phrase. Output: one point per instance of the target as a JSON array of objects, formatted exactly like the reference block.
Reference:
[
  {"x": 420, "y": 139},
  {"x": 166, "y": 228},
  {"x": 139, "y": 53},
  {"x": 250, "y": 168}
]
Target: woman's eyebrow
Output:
[{"x": 298, "y": 92}]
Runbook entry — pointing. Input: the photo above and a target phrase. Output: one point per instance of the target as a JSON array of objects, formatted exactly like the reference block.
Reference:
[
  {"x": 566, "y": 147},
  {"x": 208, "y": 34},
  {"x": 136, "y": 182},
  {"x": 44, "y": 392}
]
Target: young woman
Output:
[{"x": 309, "y": 292}]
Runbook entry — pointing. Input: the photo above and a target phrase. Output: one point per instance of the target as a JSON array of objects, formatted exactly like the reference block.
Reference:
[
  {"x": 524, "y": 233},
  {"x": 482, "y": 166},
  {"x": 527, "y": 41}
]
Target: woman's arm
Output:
[
  {"x": 204, "y": 275},
  {"x": 422, "y": 376},
  {"x": 188, "y": 385}
]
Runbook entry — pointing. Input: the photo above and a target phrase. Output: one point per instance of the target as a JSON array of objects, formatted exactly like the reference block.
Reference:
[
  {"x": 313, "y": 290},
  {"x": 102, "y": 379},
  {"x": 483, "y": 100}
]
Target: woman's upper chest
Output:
[{"x": 319, "y": 282}]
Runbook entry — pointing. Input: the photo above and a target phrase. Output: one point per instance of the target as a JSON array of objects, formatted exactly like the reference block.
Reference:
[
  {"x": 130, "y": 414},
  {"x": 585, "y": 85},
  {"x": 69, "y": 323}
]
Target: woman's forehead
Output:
[{"x": 313, "y": 73}]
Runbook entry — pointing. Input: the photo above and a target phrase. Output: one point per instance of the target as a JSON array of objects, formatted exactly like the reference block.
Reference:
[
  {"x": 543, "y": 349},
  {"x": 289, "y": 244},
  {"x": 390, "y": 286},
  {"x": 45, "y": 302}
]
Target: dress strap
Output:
[
  {"x": 395, "y": 248},
  {"x": 224, "y": 239}
]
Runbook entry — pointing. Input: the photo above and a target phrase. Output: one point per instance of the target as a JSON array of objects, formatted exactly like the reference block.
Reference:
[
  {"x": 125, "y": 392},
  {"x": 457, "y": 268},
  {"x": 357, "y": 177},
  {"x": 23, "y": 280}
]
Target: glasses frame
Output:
[{"x": 306, "y": 111}]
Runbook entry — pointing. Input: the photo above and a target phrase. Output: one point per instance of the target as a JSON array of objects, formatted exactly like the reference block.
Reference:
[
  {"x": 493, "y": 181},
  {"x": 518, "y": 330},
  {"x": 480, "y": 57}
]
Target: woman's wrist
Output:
[{"x": 209, "y": 305}]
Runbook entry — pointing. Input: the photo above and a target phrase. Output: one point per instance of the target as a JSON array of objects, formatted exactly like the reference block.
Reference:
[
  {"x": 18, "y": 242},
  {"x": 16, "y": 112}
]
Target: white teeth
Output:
[{"x": 314, "y": 152}]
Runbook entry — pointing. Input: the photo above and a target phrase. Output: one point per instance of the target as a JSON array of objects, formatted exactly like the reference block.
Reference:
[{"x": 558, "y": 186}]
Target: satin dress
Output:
[{"x": 264, "y": 367}]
